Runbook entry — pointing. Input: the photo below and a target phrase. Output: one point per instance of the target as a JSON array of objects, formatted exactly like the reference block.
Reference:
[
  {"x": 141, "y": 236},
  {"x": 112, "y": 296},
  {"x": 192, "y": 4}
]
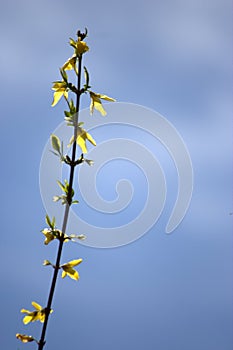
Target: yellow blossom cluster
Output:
[
  {"x": 82, "y": 137},
  {"x": 61, "y": 88},
  {"x": 68, "y": 269},
  {"x": 37, "y": 315}
]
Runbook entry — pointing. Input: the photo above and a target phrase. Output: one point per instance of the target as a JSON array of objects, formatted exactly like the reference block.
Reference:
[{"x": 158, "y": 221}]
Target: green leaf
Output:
[
  {"x": 53, "y": 222},
  {"x": 48, "y": 222},
  {"x": 89, "y": 162},
  {"x": 86, "y": 74},
  {"x": 64, "y": 75},
  {"x": 81, "y": 237},
  {"x": 56, "y": 143},
  {"x": 66, "y": 186},
  {"x": 67, "y": 114},
  {"x": 74, "y": 237},
  {"x": 72, "y": 106},
  {"x": 55, "y": 153},
  {"x": 62, "y": 149},
  {"x": 61, "y": 186}
]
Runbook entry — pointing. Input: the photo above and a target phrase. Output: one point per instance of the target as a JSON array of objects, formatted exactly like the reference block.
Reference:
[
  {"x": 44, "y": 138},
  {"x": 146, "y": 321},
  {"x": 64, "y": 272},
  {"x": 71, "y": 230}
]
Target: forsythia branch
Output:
[{"x": 63, "y": 88}]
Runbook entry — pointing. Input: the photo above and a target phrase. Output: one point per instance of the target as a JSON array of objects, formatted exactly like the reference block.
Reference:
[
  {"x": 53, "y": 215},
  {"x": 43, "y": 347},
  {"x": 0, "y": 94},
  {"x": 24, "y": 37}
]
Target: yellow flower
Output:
[
  {"x": 79, "y": 46},
  {"x": 96, "y": 102},
  {"x": 70, "y": 63},
  {"x": 68, "y": 269},
  {"x": 37, "y": 315},
  {"x": 49, "y": 236},
  {"x": 25, "y": 338},
  {"x": 60, "y": 88},
  {"x": 82, "y": 136}
]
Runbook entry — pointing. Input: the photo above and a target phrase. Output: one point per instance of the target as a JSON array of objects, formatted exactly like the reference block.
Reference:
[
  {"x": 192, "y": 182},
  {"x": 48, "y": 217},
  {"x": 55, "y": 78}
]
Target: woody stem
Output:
[{"x": 41, "y": 342}]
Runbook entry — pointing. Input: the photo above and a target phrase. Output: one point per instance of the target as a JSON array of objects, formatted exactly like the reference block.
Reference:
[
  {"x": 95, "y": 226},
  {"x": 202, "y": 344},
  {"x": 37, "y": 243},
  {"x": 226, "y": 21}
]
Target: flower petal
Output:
[
  {"x": 41, "y": 316},
  {"x": 36, "y": 306},
  {"x": 81, "y": 47},
  {"x": 57, "y": 85},
  {"x": 25, "y": 311},
  {"x": 81, "y": 139},
  {"x": 90, "y": 138},
  {"x": 57, "y": 96},
  {"x": 107, "y": 98},
  {"x": 63, "y": 274},
  {"x": 30, "y": 318},
  {"x": 96, "y": 102},
  {"x": 92, "y": 106},
  {"x": 65, "y": 94},
  {"x": 72, "y": 273},
  {"x": 73, "y": 263},
  {"x": 48, "y": 235},
  {"x": 70, "y": 63}
]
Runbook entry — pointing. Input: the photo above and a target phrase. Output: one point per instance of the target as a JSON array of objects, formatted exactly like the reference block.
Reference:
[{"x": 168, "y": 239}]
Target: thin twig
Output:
[{"x": 41, "y": 343}]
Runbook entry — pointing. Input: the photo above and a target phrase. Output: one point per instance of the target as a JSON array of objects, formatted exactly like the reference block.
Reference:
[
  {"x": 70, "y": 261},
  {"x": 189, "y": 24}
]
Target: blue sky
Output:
[{"x": 162, "y": 291}]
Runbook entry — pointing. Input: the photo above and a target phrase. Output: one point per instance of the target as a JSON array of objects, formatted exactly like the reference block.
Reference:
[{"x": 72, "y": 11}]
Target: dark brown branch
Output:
[{"x": 73, "y": 163}]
